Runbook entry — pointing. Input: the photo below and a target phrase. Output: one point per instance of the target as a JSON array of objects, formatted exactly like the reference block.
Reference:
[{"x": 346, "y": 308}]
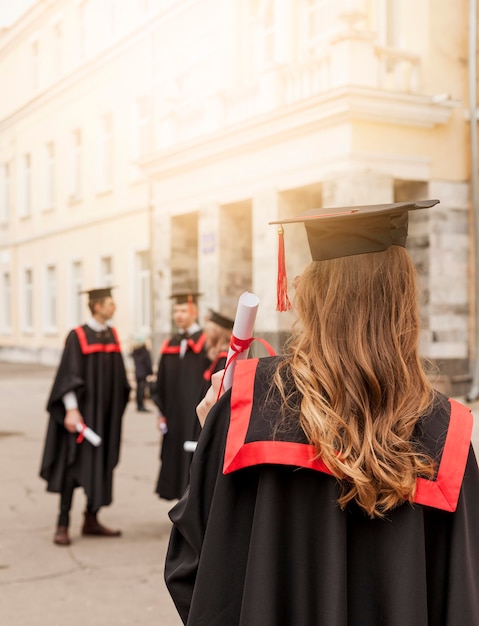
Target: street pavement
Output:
[{"x": 94, "y": 582}]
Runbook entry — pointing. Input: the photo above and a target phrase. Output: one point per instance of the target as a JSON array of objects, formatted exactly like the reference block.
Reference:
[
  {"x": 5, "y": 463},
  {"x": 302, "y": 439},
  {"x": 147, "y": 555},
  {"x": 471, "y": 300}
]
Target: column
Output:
[
  {"x": 358, "y": 188},
  {"x": 265, "y": 205},
  {"x": 161, "y": 274},
  {"x": 447, "y": 336},
  {"x": 209, "y": 256}
]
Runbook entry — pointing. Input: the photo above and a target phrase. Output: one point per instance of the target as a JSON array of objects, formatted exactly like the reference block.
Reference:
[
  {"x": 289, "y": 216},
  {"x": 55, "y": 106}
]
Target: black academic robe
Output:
[
  {"x": 259, "y": 539},
  {"x": 92, "y": 367},
  {"x": 179, "y": 388}
]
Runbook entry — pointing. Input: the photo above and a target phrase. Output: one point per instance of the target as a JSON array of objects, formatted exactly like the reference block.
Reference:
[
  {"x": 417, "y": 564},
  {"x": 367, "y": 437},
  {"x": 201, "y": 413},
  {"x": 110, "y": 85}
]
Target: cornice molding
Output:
[
  {"x": 83, "y": 222},
  {"x": 341, "y": 105}
]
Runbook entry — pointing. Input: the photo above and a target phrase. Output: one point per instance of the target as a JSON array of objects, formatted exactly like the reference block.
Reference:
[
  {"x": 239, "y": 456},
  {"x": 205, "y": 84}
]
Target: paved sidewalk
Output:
[{"x": 94, "y": 582}]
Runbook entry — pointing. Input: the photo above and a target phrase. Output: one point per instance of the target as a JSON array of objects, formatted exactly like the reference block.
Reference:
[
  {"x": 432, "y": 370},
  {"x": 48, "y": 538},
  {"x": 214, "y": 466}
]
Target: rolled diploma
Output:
[
  {"x": 89, "y": 434},
  {"x": 242, "y": 329},
  {"x": 190, "y": 446}
]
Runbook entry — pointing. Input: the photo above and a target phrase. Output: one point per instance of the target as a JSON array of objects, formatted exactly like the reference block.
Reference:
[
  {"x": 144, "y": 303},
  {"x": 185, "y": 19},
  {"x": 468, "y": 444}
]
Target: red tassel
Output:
[
  {"x": 191, "y": 309},
  {"x": 283, "y": 303}
]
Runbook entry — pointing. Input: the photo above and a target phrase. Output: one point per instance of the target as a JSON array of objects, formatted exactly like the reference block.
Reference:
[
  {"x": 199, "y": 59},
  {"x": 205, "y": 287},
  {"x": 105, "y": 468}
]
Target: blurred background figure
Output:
[
  {"x": 90, "y": 387},
  {"x": 143, "y": 370},
  {"x": 179, "y": 388},
  {"x": 218, "y": 330}
]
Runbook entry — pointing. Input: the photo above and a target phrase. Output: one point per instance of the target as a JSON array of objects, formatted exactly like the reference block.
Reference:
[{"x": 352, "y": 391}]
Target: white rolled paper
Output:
[
  {"x": 89, "y": 434},
  {"x": 243, "y": 329},
  {"x": 190, "y": 446}
]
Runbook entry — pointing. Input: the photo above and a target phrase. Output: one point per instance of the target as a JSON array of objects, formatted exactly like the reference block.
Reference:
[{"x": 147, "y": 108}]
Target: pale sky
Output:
[{"x": 11, "y": 9}]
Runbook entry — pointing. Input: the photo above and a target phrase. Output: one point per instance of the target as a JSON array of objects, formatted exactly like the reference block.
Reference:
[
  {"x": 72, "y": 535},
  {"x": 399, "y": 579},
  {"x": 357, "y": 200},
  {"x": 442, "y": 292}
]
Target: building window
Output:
[
  {"x": 105, "y": 169},
  {"x": 142, "y": 126},
  {"x": 51, "y": 299},
  {"x": 35, "y": 65},
  {"x": 25, "y": 185},
  {"x": 142, "y": 292},
  {"x": 76, "y": 163},
  {"x": 106, "y": 271},
  {"x": 76, "y": 301},
  {"x": 389, "y": 23},
  {"x": 82, "y": 30},
  {"x": 266, "y": 34},
  {"x": 313, "y": 10},
  {"x": 6, "y": 309},
  {"x": 49, "y": 179},
  {"x": 27, "y": 313},
  {"x": 114, "y": 12},
  {"x": 5, "y": 193},
  {"x": 57, "y": 49},
  {"x": 313, "y": 15}
]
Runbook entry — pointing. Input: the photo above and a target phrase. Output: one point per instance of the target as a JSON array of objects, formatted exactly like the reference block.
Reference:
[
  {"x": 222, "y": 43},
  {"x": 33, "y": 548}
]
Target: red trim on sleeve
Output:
[
  {"x": 441, "y": 493},
  {"x": 90, "y": 348}
]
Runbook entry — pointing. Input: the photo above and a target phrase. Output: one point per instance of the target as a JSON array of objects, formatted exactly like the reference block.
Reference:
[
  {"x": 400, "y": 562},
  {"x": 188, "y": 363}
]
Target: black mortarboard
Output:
[
  {"x": 185, "y": 297},
  {"x": 347, "y": 231},
  {"x": 221, "y": 320},
  {"x": 99, "y": 293}
]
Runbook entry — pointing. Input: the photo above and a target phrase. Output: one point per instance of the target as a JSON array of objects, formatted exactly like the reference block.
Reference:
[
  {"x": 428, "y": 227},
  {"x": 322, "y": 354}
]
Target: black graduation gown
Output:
[
  {"x": 91, "y": 366},
  {"x": 179, "y": 388},
  {"x": 259, "y": 540},
  {"x": 142, "y": 360}
]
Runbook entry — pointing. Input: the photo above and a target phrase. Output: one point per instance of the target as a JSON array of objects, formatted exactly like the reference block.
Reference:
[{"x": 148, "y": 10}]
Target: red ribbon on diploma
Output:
[
  {"x": 81, "y": 436},
  {"x": 238, "y": 346}
]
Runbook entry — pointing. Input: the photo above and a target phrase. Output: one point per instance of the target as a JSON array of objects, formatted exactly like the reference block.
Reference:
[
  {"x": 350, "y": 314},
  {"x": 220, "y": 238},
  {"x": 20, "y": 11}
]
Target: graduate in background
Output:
[
  {"x": 143, "y": 370},
  {"x": 179, "y": 388},
  {"x": 90, "y": 387},
  {"x": 333, "y": 486},
  {"x": 218, "y": 330}
]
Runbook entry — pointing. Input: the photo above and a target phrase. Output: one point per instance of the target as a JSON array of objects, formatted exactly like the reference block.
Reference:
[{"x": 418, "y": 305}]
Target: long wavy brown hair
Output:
[
  {"x": 355, "y": 363},
  {"x": 217, "y": 339}
]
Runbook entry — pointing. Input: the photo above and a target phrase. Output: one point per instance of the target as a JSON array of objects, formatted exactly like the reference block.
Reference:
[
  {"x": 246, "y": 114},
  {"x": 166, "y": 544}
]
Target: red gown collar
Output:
[{"x": 442, "y": 492}]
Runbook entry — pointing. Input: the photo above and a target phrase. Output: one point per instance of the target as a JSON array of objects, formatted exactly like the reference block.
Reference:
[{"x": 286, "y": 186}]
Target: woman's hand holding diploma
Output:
[
  {"x": 240, "y": 339},
  {"x": 211, "y": 397}
]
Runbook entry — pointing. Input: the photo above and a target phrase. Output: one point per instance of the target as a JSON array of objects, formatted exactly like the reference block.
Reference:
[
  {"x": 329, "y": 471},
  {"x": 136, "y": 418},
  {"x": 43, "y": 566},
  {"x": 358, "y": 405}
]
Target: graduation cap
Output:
[
  {"x": 185, "y": 297},
  {"x": 221, "y": 320},
  {"x": 99, "y": 293},
  {"x": 347, "y": 231}
]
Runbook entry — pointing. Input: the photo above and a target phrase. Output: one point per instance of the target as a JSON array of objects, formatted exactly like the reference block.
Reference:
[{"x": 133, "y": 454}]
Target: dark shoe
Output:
[
  {"x": 61, "y": 537},
  {"x": 92, "y": 526},
  {"x": 143, "y": 410}
]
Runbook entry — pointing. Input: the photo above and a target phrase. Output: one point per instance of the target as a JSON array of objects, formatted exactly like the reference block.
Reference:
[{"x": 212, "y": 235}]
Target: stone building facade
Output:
[{"x": 228, "y": 115}]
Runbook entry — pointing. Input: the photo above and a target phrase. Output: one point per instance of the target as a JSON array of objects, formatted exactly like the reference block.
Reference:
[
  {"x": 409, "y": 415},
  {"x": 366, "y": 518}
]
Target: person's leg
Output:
[
  {"x": 92, "y": 526},
  {"x": 140, "y": 394},
  {"x": 61, "y": 537}
]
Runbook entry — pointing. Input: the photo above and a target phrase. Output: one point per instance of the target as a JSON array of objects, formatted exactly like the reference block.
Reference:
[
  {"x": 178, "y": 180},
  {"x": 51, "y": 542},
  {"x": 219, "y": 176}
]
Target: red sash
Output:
[
  {"x": 197, "y": 346},
  {"x": 90, "y": 348}
]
